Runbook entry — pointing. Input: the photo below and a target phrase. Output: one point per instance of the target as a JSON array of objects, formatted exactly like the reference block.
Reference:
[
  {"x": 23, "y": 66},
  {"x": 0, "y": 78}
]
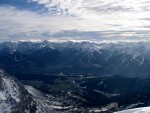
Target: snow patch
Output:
[
  {"x": 11, "y": 89},
  {"x": 136, "y": 110}
]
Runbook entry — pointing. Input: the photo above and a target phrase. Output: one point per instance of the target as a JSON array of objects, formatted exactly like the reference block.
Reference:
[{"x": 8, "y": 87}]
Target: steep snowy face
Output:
[
  {"x": 9, "y": 93},
  {"x": 14, "y": 98},
  {"x": 137, "y": 110},
  {"x": 17, "y": 98}
]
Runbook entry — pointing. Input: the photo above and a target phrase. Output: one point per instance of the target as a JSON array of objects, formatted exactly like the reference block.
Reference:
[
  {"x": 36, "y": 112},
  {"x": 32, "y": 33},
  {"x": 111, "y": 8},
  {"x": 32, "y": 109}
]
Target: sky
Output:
[{"x": 78, "y": 20}]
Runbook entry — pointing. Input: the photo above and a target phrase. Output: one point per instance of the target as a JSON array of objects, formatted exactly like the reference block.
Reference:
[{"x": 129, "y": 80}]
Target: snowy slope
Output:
[
  {"x": 17, "y": 98},
  {"x": 137, "y": 110},
  {"x": 9, "y": 93}
]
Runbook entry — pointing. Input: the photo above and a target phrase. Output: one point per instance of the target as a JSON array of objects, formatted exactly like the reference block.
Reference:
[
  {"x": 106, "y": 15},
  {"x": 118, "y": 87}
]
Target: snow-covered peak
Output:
[{"x": 137, "y": 110}]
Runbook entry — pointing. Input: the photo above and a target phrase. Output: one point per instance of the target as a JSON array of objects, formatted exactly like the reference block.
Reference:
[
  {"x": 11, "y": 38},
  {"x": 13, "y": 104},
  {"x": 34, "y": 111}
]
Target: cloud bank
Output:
[{"x": 96, "y": 20}]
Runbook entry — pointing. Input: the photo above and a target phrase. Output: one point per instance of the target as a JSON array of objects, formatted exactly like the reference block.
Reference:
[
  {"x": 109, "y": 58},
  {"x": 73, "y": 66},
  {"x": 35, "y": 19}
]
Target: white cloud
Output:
[
  {"x": 20, "y": 24},
  {"x": 122, "y": 12},
  {"x": 97, "y": 7},
  {"x": 77, "y": 20}
]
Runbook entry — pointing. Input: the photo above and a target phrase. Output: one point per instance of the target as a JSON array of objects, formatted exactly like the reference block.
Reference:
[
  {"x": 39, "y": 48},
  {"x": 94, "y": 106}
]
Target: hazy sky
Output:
[{"x": 93, "y": 20}]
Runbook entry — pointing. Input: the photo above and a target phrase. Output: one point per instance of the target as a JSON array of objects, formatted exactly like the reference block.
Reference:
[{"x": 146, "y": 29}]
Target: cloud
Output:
[
  {"x": 85, "y": 7},
  {"x": 19, "y": 24},
  {"x": 74, "y": 20}
]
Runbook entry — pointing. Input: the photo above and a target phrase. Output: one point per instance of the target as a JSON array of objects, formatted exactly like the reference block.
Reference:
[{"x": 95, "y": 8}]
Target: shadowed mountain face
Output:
[{"x": 128, "y": 59}]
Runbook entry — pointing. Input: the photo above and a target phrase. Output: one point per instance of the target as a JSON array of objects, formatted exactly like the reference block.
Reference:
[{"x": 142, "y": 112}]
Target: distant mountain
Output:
[{"x": 128, "y": 59}]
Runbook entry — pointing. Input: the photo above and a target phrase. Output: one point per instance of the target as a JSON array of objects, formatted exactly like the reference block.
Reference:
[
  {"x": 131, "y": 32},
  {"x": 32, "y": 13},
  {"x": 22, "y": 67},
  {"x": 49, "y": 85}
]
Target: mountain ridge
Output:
[{"x": 77, "y": 57}]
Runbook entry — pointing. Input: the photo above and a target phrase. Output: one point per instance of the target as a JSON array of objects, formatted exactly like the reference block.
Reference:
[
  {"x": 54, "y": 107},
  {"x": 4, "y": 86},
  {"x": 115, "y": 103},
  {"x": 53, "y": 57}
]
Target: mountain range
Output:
[
  {"x": 73, "y": 77},
  {"x": 105, "y": 59}
]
